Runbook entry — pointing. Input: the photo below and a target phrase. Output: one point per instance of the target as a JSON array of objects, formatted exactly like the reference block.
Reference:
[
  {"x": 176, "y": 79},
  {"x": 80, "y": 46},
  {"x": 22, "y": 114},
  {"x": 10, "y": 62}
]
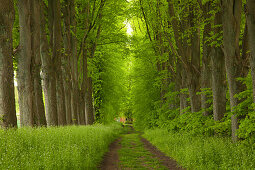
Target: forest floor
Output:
[{"x": 132, "y": 151}]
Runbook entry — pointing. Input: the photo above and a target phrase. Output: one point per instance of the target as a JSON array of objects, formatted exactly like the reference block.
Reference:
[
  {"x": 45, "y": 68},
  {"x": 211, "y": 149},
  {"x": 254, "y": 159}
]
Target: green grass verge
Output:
[
  {"x": 73, "y": 147},
  {"x": 203, "y": 152},
  {"x": 133, "y": 155}
]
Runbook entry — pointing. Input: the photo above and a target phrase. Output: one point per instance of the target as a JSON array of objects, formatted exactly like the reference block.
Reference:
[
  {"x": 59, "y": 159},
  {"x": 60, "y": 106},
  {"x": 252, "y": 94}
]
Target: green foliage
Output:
[
  {"x": 109, "y": 79},
  {"x": 246, "y": 110},
  {"x": 105, "y": 33},
  {"x": 202, "y": 152},
  {"x": 56, "y": 148},
  {"x": 145, "y": 86}
]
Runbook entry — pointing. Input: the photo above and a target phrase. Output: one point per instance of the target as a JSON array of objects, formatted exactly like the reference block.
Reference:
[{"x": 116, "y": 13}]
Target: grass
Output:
[
  {"x": 73, "y": 147},
  {"x": 133, "y": 155},
  {"x": 202, "y": 152}
]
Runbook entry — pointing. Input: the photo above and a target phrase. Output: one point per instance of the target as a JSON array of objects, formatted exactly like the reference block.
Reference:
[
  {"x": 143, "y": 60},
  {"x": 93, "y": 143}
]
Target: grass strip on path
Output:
[{"x": 133, "y": 154}]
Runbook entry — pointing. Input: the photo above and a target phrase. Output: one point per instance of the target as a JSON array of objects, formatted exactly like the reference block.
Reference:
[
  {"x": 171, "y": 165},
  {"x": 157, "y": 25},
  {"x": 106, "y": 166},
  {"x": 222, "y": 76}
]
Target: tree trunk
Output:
[
  {"x": 181, "y": 75},
  {"x": 183, "y": 96},
  {"x": 83, "y": 86},
  {"x": 49, "y": 75},
  {"x": 206, "y": 64},
  {"x": 38, "y": 97},
  {"x": 74, "y": 104},
  {"x": 194, "y": 65},
  {"x": 89, "y": 107},
  {"x": 231, "y": 33},
  {"x": 67, "y": 60},
  {"x": 57, "y": 53},
  {"x": 89, "y": 103},
  {"x": 74, "y": 67},
  {"x": 7, "y": 99},
  {"x": 251, "y": 35},
  {"x": 218, "y": 83},
  {"x": 67, "y": 90},
  {"x": 24, "y": 75},
  {"x": 82, "y": 120},
  {"x": 218, "y": 76}
]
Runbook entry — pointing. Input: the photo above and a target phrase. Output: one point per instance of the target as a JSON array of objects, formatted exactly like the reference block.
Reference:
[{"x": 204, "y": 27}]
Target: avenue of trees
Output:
[
  {"x": 194, "y": 66},
  {"x": 189, "y": 65},
  {"x": 61, "y": 51}
]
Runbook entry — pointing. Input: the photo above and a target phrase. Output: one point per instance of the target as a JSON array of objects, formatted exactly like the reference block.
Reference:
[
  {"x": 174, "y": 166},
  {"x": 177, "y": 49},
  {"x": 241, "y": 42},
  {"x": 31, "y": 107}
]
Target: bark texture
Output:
[
  {"x": 74, "y": 68},
  {"x": 206, "y": 77},
  {"x": 39, "y": 110},
  {"x": 89, "y": 103},
  {"x": 24, "y": 74},
  {"x": 48, "y": 71},
  {"x": 218, "y": 75},
  {"x": 181, "y": 74},
  {"x": 7, "y": 99},
  {"x": 67, "y": 60},
  {"x": 57, "y": 53},
  {"x": 218, "y": 83},
  {"x": 194, "y": 65},
  {"x": 231, "y": 34}
]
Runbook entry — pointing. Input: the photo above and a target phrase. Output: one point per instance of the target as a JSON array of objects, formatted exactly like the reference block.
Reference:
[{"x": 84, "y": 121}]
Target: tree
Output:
[
  {"x": 74, "y": 65},
  {"x": 218, "y": 71},
  {"x": 193, "y": 67},
  {"x": 58, "y": 55},
  {"x": 24, "y": 74},
  {"x": 7, "y": 98},
  {"x": 48, "y": 64},
  {"x": 29, "y": 65},
  {"x": 232, "y": 10},
  {"x": 206, "y": 78},
  {"x": 38, "y": 104},
  {"x": 67, "y": 60}
]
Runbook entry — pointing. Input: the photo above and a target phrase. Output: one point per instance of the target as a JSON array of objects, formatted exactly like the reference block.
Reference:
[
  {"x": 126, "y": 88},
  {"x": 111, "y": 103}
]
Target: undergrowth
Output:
[
  {"x": 201, "y": 152},
  {"x": 73, "y": 147}
]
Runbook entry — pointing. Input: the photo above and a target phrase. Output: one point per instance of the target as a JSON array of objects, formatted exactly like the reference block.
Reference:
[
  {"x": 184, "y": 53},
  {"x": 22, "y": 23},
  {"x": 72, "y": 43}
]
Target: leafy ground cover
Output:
[
  {"x": 73, "y": 147},
  {"x": 203, "y": 152}
]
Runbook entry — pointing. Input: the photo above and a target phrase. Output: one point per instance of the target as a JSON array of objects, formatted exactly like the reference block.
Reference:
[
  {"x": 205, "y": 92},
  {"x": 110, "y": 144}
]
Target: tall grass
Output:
[
  {"x": 203, "y": 152},
  {"x": 74, "y": 147}
]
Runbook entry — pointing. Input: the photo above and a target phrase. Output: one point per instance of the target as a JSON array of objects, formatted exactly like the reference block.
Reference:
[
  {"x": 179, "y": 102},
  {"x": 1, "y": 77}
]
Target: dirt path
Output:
[
  {"x": 165, "y": 160},
  {"x": 111, "y": 158},
  {"x": 131, "y": 151}
]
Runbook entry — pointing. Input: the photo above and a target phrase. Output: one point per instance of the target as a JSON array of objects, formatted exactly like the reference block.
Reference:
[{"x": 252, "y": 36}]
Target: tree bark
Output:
[
  {"x": 89, "y": 117},
  {"x": 39, "y": 110},
  {"x": 218, "y": 83},
  {"x": 194, "y": 65},
  {"x": 89, "y": 103},
  {"x": 74, "y": 67},
  {"x": 24, "y": 74},
  {"x": 218, "y": 75},
  {"x": 67, "y": 60},
  {"x": 206, "y": 77},
  {"x": 181, "y": 74},
  {"x": 48, "y": 71},
  {"x": 7, "y": 99},
  {"x": 251, "y": 35},
  {"x": 57, "y": 53},
  {"x": 231, "y": 33},
  {"x": 83, "y": 87},
  {"x": 183, "y": 96}
]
